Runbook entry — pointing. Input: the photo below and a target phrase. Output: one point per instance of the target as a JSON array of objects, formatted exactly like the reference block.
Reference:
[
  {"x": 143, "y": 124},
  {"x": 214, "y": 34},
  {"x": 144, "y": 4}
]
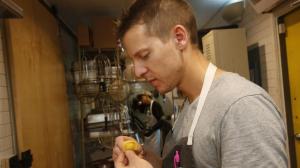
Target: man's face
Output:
[{"x": 160, "y": 63}]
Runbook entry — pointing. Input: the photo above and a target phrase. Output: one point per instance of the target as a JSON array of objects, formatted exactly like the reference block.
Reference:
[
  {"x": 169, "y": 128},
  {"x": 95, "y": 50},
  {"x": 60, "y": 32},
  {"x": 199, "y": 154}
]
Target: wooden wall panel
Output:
[{"x": 39, "y": 87}]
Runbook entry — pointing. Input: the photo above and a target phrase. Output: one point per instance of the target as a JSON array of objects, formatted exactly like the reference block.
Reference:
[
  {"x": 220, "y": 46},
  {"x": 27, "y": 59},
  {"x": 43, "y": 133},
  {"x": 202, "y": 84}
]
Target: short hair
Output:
[{"x": 159, "y": 16}]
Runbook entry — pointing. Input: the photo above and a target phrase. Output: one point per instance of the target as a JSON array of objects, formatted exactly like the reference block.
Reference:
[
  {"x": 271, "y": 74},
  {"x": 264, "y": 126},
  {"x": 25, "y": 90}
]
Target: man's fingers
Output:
[
  {"x": 141, "y": 154},
  {"x": 119, "y": 161},
  {"x": 120, "y": 157},
  {"x": 114, "y": 156},
  {"x": 116, "y": 152},
  {"x": 131, "y": 156}
]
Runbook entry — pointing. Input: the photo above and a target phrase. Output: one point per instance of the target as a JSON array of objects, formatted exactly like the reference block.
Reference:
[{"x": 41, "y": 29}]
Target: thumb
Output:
[
  {"x": 131, "y": 156},
  {"x": 119, "y": 161}
]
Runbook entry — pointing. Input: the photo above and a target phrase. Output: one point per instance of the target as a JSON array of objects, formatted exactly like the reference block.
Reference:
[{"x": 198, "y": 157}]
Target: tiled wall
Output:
[
  {"x": 6, "y": 139},
  {"x": 261, "y": 30}
]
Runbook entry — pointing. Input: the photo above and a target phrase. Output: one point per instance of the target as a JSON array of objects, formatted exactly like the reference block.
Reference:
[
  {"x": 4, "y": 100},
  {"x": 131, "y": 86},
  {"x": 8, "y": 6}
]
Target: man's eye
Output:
[{"x": 145, "y": 56}]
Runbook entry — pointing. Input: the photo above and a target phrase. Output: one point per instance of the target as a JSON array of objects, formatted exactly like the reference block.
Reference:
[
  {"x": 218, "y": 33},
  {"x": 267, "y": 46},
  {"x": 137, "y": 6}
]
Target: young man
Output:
[{"x": 227, "y": 121}]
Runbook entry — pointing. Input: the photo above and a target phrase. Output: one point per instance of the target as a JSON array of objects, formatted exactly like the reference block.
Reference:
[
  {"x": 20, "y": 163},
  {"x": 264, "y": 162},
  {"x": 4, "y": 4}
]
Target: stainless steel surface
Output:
[{"x": 96, "y": 118}]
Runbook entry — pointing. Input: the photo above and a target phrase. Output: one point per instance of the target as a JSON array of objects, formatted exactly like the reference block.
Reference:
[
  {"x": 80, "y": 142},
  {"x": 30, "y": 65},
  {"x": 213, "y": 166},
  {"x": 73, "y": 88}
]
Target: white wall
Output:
[
  {"x": 261, "y": 29},
  {"x": 6, "y": 139}
]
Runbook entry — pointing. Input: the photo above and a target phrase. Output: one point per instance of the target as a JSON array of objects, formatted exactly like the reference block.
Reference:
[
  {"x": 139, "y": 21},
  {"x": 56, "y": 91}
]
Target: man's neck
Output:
[{"x": 194, "y": 73}]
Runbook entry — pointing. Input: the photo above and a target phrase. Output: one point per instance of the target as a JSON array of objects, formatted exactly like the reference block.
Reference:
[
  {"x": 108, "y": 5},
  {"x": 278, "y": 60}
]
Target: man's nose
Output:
[{"x": 139, "y": 70}]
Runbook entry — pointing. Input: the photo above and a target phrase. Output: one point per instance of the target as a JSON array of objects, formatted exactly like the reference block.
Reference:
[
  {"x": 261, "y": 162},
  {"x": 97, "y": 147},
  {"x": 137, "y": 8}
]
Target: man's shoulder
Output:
[{"x": 231, "y": 86}]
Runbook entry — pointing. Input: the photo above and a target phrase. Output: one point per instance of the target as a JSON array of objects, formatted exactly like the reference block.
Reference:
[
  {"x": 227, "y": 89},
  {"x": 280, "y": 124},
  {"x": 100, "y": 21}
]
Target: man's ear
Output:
[{"x": 180, "y": 36}]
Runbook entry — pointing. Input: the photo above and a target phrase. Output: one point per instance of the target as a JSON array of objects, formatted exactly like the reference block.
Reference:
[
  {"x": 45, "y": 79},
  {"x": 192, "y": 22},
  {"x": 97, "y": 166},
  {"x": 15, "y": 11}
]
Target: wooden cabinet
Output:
[
  {"x": 85, "y": 36},
  {"x": 104, "y": 32}
]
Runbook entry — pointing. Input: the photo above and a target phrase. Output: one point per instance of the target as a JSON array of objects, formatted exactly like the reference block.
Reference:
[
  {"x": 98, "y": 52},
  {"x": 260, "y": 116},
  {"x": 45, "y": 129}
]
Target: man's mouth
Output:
[{"x": 152, "y": 81}]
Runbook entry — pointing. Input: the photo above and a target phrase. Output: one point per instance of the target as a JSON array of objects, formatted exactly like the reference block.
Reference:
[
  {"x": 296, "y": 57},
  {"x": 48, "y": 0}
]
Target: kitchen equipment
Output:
[
  {"x": 85, "y": 75},
  {"x": 87, "y": 105},
  {"x": 129, "y": 74},
  {"x": 119, "y": 88},
  {"x": 76, "y": 72},
  {"x": 90, "y": 70},
  {"x": 114, "y": 120}
]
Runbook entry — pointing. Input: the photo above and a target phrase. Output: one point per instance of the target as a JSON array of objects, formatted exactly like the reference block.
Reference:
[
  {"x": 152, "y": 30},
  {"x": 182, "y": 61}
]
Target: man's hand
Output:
[
  {"x": 118, "y": 149},
  {"x": 133, "y": 160}
]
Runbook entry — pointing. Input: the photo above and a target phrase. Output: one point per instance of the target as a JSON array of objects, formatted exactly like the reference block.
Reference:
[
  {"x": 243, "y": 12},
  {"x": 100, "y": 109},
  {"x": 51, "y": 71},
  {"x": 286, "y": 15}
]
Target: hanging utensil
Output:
[{"x": 119, "y": 89}]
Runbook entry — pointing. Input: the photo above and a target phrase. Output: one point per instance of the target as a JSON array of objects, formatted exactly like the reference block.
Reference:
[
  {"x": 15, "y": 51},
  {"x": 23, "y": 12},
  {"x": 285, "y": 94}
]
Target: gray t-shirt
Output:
[{"x": 239, "y": 126}]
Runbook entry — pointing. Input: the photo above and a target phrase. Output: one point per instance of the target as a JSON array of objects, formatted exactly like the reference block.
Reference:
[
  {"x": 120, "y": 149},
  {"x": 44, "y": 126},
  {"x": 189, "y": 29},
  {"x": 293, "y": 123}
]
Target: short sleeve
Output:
[{"x": 253, "y": 134}]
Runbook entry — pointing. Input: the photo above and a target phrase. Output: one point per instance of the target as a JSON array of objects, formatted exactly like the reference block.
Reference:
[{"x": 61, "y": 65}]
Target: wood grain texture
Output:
[{"x": 39, "y": 87}]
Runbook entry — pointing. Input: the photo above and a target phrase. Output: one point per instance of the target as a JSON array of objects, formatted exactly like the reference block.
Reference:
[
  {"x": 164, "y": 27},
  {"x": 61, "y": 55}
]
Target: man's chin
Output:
[{"x": 162, "y": 90}]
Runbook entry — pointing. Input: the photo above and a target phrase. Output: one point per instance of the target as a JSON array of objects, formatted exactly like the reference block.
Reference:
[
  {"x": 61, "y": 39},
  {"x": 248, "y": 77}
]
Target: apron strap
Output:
[
  {"x": 151, "y": 104},
  {"x": 208, "y": 79}
]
